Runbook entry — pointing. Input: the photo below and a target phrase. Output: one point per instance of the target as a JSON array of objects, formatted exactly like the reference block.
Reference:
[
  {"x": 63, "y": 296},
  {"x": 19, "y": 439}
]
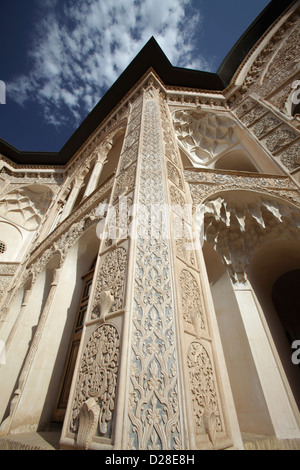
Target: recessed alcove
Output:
[
  {"x": 274, "y": 273},
  {"x": 236, "y": 160}
]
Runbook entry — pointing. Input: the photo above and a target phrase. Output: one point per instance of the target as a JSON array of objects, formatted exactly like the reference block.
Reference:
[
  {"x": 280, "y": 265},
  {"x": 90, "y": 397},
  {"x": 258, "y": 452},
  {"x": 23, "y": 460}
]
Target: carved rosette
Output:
[
  {"x": 203, "y": 390},
  {"x": 97, "y": 378}
]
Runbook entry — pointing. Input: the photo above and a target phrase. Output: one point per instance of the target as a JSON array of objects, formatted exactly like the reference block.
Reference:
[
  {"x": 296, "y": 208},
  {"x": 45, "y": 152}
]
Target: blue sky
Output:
[{"x": 58, "y": 57}]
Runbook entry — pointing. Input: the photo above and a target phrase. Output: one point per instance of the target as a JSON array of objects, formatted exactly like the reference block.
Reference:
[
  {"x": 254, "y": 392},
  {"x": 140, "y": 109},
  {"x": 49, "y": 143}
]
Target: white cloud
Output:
[{"x": 81, "y": 48}]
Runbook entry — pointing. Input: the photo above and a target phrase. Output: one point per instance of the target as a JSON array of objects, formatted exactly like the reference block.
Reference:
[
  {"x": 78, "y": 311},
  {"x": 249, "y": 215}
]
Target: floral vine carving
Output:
[
  {"x": 203, "y": 389},
  {"x": 98, "y": 377},
  {"x": 111, "y": 278},
  {"x": 191, "y": 300}
]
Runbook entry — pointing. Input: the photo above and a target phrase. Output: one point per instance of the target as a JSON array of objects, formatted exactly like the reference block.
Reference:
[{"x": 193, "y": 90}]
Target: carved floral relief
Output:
[{"x": 97, "y": 380}]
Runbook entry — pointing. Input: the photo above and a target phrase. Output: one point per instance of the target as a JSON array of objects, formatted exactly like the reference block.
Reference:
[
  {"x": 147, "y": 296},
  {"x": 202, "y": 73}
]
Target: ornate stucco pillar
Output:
[{"x": 147, "y": 375}]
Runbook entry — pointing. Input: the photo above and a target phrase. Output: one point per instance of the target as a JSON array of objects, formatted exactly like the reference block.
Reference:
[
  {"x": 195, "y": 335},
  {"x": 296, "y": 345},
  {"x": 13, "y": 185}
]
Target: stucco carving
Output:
[
  {"x": 203, "y": 389},
  {"x": 153, "y": 406},
  {"x": 204, "y": 135},
  {"x": 111, "y": 278},
  {"x": 191, "y": 301},
  {"x": 174, "y": 175},
  {"x": 97, "y": 380},
  {"x": 210, "y": 182},
  {"x": 236, "y": 226},
  {"x": 279, "y": 138},
  {"x": 291, "y": 157},
  {"x": 125, "y": 182},
  {"x": 264, "y": 125},
  {"x": 275, "y": 64},
  {"x": 26, "y": 206}
]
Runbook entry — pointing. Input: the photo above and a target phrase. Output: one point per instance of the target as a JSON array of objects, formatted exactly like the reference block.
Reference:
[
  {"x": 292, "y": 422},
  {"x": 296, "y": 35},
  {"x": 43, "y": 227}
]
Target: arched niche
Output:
[
  {"x": 83, "y": 187},
  {"x": 236, "y": 160},
  {"x": 251, "y": 408},
  {"x": 110, "y": 164},
  {"x": 53, "y": 301},
  {"x": 270, "y": 268}
]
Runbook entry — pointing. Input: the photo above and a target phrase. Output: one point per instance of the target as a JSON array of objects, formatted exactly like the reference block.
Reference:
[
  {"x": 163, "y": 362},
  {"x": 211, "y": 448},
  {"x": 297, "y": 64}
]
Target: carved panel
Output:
[
  {"x": 264, "y": 125},
  {"x": 98, "y": 378},
  {"x": 125, "y": 182},
  {"x": 191, "y": 300},
  {"x": 291, "y": 157},
  {"x": 111, "y": 278},
  {"x": 254, "y": 114},
  {"x": 174, "y": 175},
  {"x": 203, "y": 390},
  {"x": 283, "y": 58}
]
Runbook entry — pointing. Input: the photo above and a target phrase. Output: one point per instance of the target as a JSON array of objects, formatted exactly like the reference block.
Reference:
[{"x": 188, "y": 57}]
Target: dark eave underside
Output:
[{"x": 151, "y": 56}]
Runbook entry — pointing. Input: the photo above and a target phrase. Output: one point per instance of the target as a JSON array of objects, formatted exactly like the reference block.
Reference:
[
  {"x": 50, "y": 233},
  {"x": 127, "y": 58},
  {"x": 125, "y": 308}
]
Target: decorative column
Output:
[
  {"x": 26, "y": 297},
  {"x": 101, "y": 154},
  {"x": 78, "y": 182},
  {"x": 15, "y": 404}
]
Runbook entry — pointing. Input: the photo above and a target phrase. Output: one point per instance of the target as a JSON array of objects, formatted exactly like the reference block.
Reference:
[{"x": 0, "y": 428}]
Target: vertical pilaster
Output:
[{"x": 153, "y": 411}]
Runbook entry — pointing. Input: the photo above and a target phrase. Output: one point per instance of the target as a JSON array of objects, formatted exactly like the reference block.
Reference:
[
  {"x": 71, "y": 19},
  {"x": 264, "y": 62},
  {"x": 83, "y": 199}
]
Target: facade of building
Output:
[{"x": 150, "y": 270}]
